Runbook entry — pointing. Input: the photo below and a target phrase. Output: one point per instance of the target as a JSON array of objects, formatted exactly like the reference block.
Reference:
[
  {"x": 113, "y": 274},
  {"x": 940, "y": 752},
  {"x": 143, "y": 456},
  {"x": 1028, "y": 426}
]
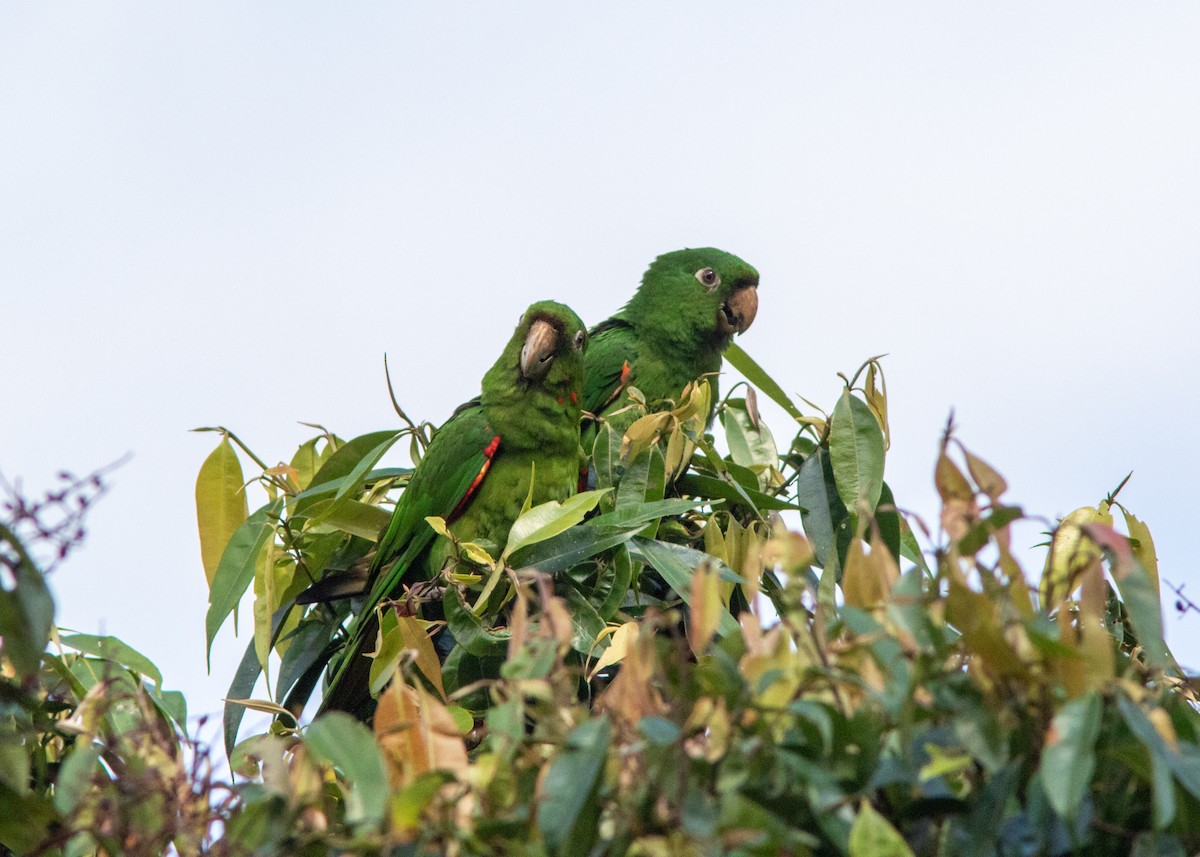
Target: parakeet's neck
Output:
[
  {"x": 543, "y": 417},
  {"x": 675, "y": 339}
]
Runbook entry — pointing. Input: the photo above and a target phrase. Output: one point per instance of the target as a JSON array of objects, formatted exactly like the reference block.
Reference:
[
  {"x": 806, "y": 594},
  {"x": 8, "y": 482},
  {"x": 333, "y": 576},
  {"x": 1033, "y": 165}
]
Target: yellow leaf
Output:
[
  {"x": 416, "y": 637},
  {"x": 622, "y": 638},
  {"x": 990, "y": 482},
  {"x": 220, "y": 504},
  {"x": 644, "y": 431},
  {"x": 1071, "y": 551},
  {"x": 706, "y": 607},
  {"x": 1143, "y": 546},
  {"x": 872, "y": 835},
  {"x": 264, "y": 606},
  {"x": 439, "y": 525},
  {"x": 974, "y": 615}
]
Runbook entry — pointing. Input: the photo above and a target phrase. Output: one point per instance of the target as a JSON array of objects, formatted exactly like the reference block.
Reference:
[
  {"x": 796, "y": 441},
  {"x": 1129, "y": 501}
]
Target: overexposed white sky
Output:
[{"x": 227, "y": 213}]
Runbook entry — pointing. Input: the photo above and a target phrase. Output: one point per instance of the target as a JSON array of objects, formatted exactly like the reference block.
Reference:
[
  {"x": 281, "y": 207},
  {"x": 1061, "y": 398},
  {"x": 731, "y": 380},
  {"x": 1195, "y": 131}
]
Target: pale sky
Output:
[{"x": 227, "y": 213}]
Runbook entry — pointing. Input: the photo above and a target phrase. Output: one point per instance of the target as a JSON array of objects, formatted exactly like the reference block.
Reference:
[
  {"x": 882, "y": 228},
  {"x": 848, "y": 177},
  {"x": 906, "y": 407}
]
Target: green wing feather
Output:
[
  {"x": 451, "y": 470},
  {"x": 613, "y": 343}
]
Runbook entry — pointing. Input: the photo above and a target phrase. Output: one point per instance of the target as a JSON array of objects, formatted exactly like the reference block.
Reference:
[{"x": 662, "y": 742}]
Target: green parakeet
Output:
[
  {"x": 673, "y": 330},
  {"x": 476, "y": 474}
]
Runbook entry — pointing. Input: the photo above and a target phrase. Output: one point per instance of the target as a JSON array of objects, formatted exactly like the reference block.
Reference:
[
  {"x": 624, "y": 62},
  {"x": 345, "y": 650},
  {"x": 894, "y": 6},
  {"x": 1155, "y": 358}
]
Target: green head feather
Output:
[
  {"x": 532, "y": 392},
  {"x": 688, "y": 300}
]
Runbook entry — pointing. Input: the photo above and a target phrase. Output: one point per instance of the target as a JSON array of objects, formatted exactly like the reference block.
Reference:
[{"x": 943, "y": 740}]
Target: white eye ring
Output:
[
  {"x": 709, "y": 278},
  {"x": 579, "y": 340}
]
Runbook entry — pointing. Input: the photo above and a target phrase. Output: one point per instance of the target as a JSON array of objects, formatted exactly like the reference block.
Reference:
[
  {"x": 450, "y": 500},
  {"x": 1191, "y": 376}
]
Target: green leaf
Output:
[
  {"x": 639, "y": 515},
  {"x": 350, "y": 747},
  {"x": 26, "y": 610},
  {"x": 305, "y": 646},
  {"x": 116, "y": 651},
  {"x": 872, "y": 835},
  {"x": 75, "y": 776},
  {"x": 586, "y": 623},
  {"x": 1069, "y": 758},
  {"x": 220, "y": 503},
  {"x": 236, "y": 570},
  {"x": 644, "y": 479},
  {"x": 748, "y": 446},
  {"x": 856, "y": 452},
  {"x": 244, "y": 680},
  {"x": 571, "y": 547},
  {"x": 821, "y": 509},
  {"x": 350, "y": 516},
  {"x": 711, "y": 488},
  {"x": 333, "y": 473},
  {"x": 570, "y": 783},
  {"x": 25, "y": 820},
  {"x": 549, "y": 519},
  {"x": 757, "y": 376},
  {"x": 470, "y": 632},
  {"x": 672, "y": 562},
  {"x": 353, "y": 480}
]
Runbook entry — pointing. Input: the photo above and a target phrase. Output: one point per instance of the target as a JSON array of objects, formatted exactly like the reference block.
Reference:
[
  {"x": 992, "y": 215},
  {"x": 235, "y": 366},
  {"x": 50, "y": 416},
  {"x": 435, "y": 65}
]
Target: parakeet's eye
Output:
[
  {"x": 710, "y": 278},
  {"x": 580, "y": 338}
]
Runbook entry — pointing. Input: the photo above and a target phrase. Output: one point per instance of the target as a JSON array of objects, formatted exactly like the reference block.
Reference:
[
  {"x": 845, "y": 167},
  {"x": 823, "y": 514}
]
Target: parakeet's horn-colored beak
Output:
[
  {"x": 737, "y": 314},
  {"x": 538, "y": 353}
]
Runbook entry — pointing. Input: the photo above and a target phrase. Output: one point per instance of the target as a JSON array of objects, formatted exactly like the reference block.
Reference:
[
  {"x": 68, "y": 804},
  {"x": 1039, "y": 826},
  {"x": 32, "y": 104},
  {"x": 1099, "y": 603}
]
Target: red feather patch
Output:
[{"x": 490, "y": 452}]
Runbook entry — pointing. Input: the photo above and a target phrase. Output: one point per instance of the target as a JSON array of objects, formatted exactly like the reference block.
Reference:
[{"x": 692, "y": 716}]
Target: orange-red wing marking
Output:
[{"x": 489, "y": 452}]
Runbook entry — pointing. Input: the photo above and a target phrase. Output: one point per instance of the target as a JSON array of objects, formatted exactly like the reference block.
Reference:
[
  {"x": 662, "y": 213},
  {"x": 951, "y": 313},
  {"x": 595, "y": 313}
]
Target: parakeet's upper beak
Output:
[
  {"x": 538, "y": 353},
  {"x": 737, "y": 314}
]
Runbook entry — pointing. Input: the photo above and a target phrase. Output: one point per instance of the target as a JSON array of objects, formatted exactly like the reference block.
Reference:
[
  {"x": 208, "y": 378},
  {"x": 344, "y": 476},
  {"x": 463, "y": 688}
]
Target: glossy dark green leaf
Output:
[
  {"x": 586, "y": 622},
  {"x": 821, "y": 509},
  {"x": 471, "y": 632},
  {"x": 644, "y": 479},
  {"x": 711, "y": 488},
  {"x": 305, "y": 647},
  {"x": 888, "y": 519},
  {"x": 677, "y": 565},
  {"x": 856, "y": 451},
  {"x": 571, "y": 547},
  {"x": 333, "y": 473}
]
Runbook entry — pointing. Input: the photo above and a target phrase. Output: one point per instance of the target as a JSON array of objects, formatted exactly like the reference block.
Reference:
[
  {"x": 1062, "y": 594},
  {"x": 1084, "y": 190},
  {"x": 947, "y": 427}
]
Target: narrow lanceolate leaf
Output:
[
  {"x": 758, "y": 376},
  {"x": 220, "y": 504},
  {"x": 349, "y": 746},
  {"x": 1069, "y": 759},
  {"x": 856, "y": 450},
  {"x": 236, "y": 569}
]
